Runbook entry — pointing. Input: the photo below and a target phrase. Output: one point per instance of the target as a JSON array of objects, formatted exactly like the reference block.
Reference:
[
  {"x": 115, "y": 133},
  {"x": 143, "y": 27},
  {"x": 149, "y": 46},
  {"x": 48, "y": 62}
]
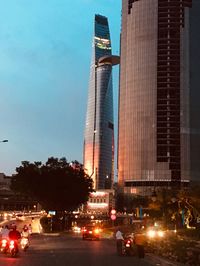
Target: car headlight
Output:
[
  {"x": 151, "y": 233},
  {"x": 160, "y": 233},
  {"x": 96, "y": 231}
]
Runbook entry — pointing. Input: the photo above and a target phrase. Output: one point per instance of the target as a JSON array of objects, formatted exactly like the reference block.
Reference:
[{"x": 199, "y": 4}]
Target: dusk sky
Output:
[{"x": 45, "y": 53}]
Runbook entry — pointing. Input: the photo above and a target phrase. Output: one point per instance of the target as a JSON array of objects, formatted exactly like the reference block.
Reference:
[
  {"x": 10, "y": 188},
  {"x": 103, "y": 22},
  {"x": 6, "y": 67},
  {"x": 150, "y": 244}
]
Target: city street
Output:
[{"x": 70, "y": 250}]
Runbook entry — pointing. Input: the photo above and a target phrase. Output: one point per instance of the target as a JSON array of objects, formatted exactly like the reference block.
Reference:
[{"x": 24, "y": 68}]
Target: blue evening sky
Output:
[{"x": 45, "y": 53}]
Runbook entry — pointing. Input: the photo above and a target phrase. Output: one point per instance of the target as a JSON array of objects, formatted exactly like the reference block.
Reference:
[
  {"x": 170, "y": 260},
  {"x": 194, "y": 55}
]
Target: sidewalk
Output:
[{"x": 160, "y": 261}]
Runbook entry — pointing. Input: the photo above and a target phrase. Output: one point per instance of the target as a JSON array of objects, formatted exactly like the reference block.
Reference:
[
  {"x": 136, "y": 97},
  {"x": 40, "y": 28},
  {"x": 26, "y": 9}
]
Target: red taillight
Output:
[{"x": 128, "y": 243}]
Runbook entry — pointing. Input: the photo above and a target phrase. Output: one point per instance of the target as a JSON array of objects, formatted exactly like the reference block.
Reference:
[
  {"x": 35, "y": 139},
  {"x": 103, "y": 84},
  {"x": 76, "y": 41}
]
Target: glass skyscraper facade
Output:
[
  {"x": 194, "y": 46},
  {"x": 99, "y": 129},
  {"x": 154, "y": 97}
]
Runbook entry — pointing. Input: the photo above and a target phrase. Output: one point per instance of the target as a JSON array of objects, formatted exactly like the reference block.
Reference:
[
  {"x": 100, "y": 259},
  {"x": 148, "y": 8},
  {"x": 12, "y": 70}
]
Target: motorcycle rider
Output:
[
  {"x": 119, "y": 239},
  {"x": 4, "y": 238},
  {"x": 15, "y": 235},
  {"x": 25, "y": 232},
  {"x": 30, "y": 229},
  {"x": 5, "y": 232},
  {"x": 25, "y": 238}
]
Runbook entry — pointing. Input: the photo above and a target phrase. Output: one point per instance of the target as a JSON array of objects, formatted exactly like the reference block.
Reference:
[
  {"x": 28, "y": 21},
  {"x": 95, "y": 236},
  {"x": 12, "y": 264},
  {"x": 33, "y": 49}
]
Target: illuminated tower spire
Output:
[{"x": 99, "y": 128}]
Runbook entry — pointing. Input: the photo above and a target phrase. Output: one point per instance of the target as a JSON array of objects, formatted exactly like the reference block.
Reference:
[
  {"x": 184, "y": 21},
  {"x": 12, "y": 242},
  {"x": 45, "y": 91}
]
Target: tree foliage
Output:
[
  {"x": 130, "y": 202},
  {"x": 57, "y": 184},
  {"x": 178, "y": 204}
]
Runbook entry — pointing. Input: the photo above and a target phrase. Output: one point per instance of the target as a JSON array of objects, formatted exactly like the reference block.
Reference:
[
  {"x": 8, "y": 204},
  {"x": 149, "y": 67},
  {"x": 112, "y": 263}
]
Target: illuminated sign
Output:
[{"x": 52, "y": 212}]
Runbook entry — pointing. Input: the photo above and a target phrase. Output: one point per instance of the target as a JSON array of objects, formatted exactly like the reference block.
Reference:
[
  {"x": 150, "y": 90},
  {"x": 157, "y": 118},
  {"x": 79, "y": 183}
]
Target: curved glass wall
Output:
[{"x": 99, "y": 133}]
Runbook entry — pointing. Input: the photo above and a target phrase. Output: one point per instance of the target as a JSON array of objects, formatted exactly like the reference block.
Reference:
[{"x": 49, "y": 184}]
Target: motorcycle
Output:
[
  {"x": 4, "y": 246},
  {"x": 13, "y": 248},
  {"x": 24, "y": 243},
  {"x": 129, "y": 246}
]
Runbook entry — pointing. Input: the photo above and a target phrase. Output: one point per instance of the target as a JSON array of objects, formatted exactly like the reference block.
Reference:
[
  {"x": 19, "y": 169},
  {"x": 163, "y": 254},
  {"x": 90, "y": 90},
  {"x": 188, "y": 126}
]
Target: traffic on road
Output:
[{"x": 35, "y": 248}]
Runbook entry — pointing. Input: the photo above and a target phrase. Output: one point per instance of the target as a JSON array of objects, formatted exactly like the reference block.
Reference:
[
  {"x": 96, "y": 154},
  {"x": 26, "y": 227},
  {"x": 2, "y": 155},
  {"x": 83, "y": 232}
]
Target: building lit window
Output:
[{"x": 102, "y": 43}]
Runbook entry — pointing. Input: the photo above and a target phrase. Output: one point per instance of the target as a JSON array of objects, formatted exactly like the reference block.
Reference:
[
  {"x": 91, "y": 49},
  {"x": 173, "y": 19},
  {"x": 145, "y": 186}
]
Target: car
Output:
[
  {"x": 90, "y": 232},
  {"x": 76, "y": 229},
  {"x": 155, "y": 232}
]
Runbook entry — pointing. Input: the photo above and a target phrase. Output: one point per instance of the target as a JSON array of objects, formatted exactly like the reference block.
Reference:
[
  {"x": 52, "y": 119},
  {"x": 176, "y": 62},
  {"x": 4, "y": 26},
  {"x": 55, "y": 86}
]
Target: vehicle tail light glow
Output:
[{"x": 4, "y": 243}]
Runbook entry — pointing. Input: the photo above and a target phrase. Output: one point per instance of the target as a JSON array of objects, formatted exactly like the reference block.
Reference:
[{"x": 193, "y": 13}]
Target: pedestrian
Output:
[
  {"x": 119, "y": 242},
  {"x": 139, "y": 239}
]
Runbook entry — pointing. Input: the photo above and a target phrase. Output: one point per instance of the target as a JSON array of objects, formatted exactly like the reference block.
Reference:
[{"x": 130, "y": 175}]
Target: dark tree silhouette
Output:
[{"x": 57, "y": 184}]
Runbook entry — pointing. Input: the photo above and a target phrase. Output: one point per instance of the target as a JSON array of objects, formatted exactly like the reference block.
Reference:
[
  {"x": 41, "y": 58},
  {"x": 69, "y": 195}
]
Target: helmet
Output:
[{"x": 14, "y": 227}]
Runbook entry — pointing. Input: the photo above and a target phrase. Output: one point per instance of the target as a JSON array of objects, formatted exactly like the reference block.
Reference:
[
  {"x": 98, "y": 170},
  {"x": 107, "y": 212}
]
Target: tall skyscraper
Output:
[
  {"x": 195, "y": 89},
  {"x": 99, "y": 128},
  {"x": 154, "y": 97}
]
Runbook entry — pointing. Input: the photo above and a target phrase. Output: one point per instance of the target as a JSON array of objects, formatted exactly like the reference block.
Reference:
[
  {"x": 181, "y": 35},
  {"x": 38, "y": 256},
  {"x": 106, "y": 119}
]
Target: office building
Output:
[
  {"x": 99, "y": 129},
  {"x": 194, "y": 46},
  {"x": 154, "y": 98}
]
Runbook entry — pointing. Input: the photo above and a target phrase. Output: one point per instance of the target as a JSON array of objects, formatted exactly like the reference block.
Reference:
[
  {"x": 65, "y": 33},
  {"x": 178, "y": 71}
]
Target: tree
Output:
[
  {"x": 180, "y": 205},
  {"x": 130, "y": 202},
  {"x": 57, "y": 185}
]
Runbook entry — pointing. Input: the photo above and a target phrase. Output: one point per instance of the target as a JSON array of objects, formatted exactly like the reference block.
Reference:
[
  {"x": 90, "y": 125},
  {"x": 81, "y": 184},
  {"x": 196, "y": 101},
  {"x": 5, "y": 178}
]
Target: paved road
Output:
[{"x": 70, "y": 250}]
